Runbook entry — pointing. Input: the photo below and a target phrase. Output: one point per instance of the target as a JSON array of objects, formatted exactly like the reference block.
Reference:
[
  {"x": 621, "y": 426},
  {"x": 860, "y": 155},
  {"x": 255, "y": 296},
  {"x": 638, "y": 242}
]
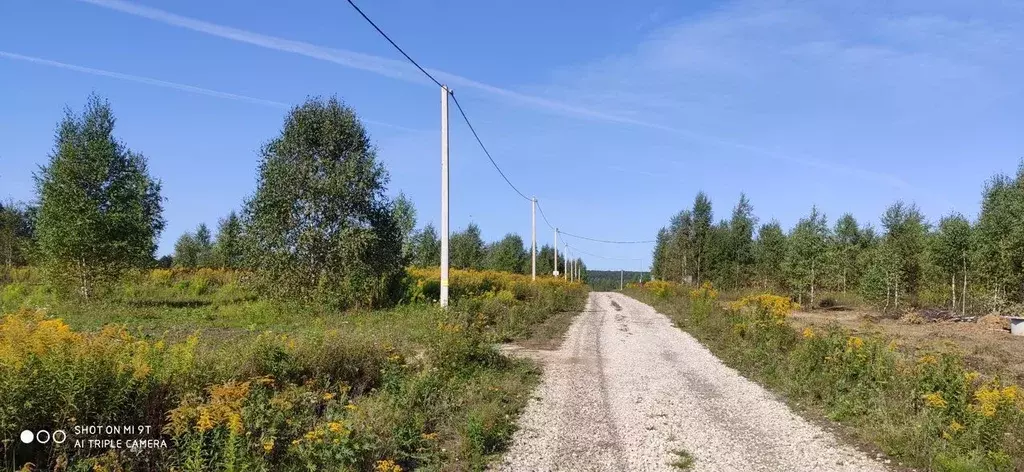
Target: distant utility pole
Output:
[
  {"x": 533, "y": 231},
  {"x": 555, "y": 273},
  {"x": 620, "y": 279},
  {"x": 444, "y": 196}
]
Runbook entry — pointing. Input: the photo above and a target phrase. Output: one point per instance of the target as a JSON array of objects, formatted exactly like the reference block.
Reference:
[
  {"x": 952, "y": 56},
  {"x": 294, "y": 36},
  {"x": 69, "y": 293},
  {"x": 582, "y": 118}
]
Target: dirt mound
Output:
[{"x": 994, "y": 322}]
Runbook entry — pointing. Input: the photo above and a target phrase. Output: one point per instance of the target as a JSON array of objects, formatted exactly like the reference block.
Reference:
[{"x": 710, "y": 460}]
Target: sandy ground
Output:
[{"x": 628, "y": 391}]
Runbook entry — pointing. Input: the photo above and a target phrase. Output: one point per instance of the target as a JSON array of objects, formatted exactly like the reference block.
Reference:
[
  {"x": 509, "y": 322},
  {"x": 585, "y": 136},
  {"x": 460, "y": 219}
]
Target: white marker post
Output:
[
  {"x": 444, "y": 196},
  {"x": 555, "y": 273}
]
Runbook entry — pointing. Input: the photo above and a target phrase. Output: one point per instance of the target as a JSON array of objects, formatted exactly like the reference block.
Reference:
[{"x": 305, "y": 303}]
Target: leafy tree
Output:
[
  {"x": 700, "y": 235},
  {"x": 319, "y": 227},
  {"x": 187, "y": 251},
  {"x": 99, "y": 210},
  {"x": 227, "y": 248},
  {"x": 805, "y": 254},
  {"x": 681, "y": 247},
  {"x": 847, "y": 249},
  {"x": 467, "y": 249},
  {"x": 425, "y": 248},
  {"x": 741, "y": 243},
  {"x": 205, "y": 242},
  {"x": 405, "y": 218},
  {"x": 769, "y": 254},
  {"x": 905, "y": 239},
  {"x": 659, "y": 258},
  {"x": 952, "y": 249},
  {"x": 1000, "y": 237},
  {"x": 546, "y": 260},
  {"x": 16, "y": 234},
  {"x": 194, "y": 249},
  {"x": 508, "y": 255}
]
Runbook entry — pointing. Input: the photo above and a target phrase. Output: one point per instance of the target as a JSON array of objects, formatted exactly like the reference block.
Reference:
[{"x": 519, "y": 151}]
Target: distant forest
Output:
[{"x": 603, "y": 280}]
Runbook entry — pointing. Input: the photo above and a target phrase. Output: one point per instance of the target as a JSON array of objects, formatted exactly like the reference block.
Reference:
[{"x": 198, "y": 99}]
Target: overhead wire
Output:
[
  {"x": 385, "y": 35},
  {"x": 480, "y": 142}
]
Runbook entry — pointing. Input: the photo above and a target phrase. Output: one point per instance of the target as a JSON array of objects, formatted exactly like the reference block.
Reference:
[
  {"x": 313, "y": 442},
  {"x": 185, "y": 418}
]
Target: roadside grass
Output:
[
  {"x": 234, "y": 382},
  {"x": 925, "y": 409}
]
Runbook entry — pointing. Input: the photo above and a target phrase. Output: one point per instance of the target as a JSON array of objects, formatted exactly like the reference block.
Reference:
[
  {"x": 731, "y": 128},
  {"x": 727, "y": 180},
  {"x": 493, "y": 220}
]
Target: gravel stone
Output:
[{"x": 627, "y": 389}]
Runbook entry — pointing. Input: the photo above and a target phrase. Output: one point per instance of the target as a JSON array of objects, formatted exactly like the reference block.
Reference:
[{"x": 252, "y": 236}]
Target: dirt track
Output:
[{"x": 627, "y": 390}]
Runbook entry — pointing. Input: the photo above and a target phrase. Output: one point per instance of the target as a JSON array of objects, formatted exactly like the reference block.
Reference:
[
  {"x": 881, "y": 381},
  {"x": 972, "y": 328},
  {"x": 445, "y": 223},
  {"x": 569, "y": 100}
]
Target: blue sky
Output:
[{"x": 613, "y": 115}]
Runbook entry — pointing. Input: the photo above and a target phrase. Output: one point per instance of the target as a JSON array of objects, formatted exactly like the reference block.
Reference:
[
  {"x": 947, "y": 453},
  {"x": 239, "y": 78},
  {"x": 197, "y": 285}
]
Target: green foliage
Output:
[
  {"x": 1000, "y": 236},
  {"x": 467, "y": 249},
  {"x": 425, "y": 248},
  {"x": 319, "y": 227},
  {"x": 405, "y": 218},
  {"x": 17, "y": 228},
  {"x": 194, "y": 250},
  {"x": 769, "y": 253},
  {"x": 545, "y": 260},
  {"x": 508, "y": 255},
  {"x": 227, "y": 248},
  {"x": 952, "y": 246},
  {"x": 99, "y": 210},
  {"x": 805, "y": 256},
  {"x": 254, "y": 386},
  {"x": 905, "y": 240}
]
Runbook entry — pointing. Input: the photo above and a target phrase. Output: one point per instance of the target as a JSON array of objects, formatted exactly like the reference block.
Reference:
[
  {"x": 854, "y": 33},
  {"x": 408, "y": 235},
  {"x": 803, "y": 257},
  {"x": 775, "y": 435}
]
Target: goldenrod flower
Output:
[{"x": 934, "y": 400}]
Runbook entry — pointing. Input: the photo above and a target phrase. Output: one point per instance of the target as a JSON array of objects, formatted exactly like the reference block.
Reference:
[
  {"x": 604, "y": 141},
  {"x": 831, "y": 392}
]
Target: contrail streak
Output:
[
  {"x": 403, "y": 71},
  {"x": 170, "y": 85}
]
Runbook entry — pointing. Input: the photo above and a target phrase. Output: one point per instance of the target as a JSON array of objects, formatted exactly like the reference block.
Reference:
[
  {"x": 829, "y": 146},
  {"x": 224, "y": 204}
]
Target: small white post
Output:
[
  {"x": 533, "y": 232},
  {"x": 555, "y": 273},
  {"x": 444, "y": 196}
]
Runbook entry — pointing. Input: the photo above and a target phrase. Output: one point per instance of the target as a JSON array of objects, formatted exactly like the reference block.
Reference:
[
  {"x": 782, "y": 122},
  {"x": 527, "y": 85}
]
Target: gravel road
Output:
[{"x": 627, "y": 389}]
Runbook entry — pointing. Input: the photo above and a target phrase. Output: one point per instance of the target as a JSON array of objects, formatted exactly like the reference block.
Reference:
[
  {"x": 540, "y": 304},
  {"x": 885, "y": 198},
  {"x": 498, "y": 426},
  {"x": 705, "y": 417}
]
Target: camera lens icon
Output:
[{"x": 43, "y": 436}]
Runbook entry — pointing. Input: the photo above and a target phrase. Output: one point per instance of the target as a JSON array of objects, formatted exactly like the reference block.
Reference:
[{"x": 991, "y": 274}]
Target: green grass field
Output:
[{"x": 234, "y": 382}]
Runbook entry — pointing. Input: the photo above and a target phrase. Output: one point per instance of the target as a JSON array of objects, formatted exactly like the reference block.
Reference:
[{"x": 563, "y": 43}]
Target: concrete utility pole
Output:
[
  {"x": 444, "y": 196},
  {"x": 555, "y": 273},
  {"x": 533, "y": 231}
]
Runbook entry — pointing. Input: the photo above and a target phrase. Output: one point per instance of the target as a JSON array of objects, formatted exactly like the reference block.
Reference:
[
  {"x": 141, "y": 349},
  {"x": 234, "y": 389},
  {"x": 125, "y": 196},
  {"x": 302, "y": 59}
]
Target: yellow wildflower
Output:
[
  {"x": 854, "y": 343},
  {"x": 808, "y": 333},
  {"x": 328, "y": 396},
  {"x": 205, "y": 423},
  {"x": 934, "y": 400},
  {"x": 268, "y": 445},
  {"x": 387, "y": 465}
]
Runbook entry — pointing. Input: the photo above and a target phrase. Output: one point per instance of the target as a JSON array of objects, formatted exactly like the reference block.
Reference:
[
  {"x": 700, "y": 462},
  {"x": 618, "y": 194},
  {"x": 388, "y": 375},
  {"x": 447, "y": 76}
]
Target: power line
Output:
[
  {"x": 481, "y": 143},
  {"x": 456, "y": 100},
  {"x": 576, "y": 249},
  {"x": 539, "y": 207},
  {"x": 477, "y": 136},
  {"x": 605, "y": 240},
  {"x": 542, "y": 215},
  {"x": 385, "y": 35}
]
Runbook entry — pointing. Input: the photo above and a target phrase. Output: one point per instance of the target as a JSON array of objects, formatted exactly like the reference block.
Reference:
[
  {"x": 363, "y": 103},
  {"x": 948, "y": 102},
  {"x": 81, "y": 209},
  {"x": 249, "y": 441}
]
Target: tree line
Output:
[
  {"x": 908, "y": 261},
  {"x": 318, "y": 228}
]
